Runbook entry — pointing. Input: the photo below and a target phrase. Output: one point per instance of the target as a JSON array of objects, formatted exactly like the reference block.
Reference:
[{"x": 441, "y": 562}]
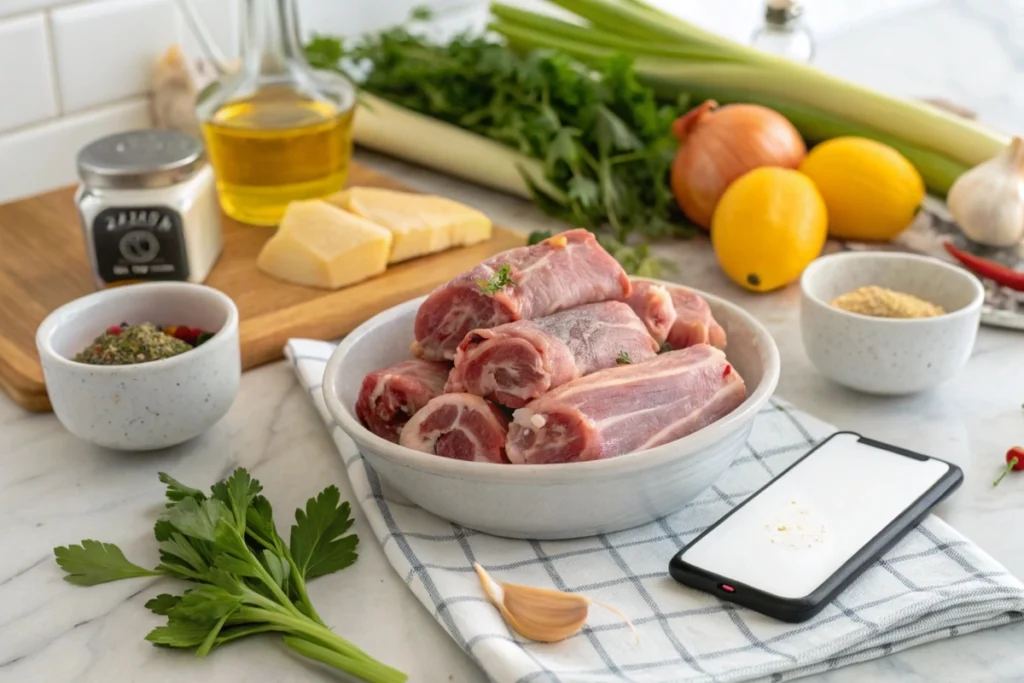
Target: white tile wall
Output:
[
  {"x": 73, "y": 70},
  {"x": 83, "y": 69},
  {"x": 105, "y": 51},
  {"x": 27, "y": 89},
  {"x": 39, "y": 158}
]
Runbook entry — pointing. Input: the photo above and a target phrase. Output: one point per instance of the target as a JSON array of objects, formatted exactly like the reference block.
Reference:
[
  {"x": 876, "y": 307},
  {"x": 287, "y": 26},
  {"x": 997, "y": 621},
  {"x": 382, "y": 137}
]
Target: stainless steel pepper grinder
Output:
[{"x": 783, "y": 32}]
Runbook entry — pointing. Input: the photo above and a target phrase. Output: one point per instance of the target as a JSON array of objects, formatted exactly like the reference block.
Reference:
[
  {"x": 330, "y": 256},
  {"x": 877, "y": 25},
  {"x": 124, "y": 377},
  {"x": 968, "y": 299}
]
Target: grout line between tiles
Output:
[
  {"x": 51, "y": 49},
  {"x": 70, "y": 115},
  {"x": 56, "y": 4}
]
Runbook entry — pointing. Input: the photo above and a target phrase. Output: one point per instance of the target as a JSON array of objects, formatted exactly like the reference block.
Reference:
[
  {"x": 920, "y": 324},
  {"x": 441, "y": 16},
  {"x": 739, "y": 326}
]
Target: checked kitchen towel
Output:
[{"x": 934, "y": 584}]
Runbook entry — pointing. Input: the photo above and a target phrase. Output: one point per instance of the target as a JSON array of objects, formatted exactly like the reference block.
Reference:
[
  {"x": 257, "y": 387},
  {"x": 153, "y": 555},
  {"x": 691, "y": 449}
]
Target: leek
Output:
[
  {"x": 390, "y": 129},
  {"x": 676, "y": 57}
]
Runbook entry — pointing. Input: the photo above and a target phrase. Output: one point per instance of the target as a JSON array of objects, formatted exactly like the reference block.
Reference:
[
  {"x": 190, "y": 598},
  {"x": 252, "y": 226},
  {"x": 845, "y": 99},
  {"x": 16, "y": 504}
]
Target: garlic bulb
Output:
[
  {"x": 988, "y": 200},
  {"x": 538, "y": 613}
]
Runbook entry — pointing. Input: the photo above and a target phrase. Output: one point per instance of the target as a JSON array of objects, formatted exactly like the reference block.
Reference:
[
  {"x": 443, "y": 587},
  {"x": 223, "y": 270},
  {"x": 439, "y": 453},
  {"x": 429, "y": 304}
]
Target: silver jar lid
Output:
[{"x": 140, "y": 159}]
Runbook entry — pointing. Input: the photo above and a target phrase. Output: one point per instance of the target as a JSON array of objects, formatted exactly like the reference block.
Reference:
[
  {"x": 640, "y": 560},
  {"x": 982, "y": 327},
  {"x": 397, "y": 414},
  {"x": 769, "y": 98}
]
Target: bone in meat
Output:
[
  {"x": 627, "y": 408},
  {"x": 460, "y": 426},
  {"x": 566, "y": 270},
  {"x": 515, "y": 363}
]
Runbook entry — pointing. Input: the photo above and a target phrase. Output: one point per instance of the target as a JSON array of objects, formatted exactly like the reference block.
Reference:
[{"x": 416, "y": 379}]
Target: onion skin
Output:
[{"x": 719, "y": 144}]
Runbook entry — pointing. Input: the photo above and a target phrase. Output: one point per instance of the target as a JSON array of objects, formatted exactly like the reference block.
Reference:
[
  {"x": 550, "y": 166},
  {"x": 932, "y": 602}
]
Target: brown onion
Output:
[{"x": 719, "y": 144}]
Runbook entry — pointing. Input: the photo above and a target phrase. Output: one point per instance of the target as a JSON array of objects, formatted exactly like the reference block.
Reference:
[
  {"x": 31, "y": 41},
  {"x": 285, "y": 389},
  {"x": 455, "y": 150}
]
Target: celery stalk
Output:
[
  {"x": 514, "y": 18},
  {"x": 917, "y": 125}
]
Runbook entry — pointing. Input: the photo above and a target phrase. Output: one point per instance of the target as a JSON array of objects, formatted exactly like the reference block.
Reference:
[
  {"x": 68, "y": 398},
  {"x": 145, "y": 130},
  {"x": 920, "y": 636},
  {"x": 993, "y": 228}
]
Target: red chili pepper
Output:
[
  {"x": 728, "y": 369},
  {"x": 114, "y": 329},
  {"x": 1014, "y": 461},
  {"x": 997, "y": 272}
]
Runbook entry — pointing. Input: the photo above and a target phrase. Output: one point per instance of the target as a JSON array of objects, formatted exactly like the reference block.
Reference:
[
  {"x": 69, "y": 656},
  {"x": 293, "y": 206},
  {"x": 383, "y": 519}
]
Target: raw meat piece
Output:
[
  {"x": 459, "y": 426},
  {"x": 653, "y": 304},
  {"x": 563, "y": 271},
  {"x": 515, "y": 363},
  {"x": 391, "y": 395},
  {"x": 694, "y": 323},
  {"x": 626, "y": 408}
]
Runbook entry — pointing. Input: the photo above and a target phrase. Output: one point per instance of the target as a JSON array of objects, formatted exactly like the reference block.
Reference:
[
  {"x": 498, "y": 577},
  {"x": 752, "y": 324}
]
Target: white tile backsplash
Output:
[
  {"x": 43, "y": 157},
  {"x": 26, "y": 82},
  {"x": 223, "y": 22},
  {"x": 105, "y": 51},
  {"x": 74, "y": 69},
  {"x": 9, "y": 7}
]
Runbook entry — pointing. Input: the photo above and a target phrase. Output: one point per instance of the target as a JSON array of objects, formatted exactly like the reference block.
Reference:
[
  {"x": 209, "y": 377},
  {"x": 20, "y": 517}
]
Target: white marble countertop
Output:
[{"x": 56, "y": 490}]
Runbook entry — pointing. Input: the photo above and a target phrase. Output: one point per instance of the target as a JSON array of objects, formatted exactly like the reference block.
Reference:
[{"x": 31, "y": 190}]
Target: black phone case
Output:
[{"x": 795, "y": 610}]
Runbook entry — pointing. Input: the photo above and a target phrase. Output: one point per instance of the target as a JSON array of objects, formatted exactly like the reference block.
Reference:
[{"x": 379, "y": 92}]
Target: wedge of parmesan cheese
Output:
[
  {"x": 419, "y": 223},
  {"x": 320, "y": 245}
]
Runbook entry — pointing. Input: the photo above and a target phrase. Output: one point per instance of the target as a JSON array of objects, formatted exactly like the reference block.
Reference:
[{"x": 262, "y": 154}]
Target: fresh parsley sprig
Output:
[
  {"x": 604, "y": 139},
  {"x": 501, "y": 279},
  {"x": 623, "y": 358},
  {"x": 246, "y": 579}
]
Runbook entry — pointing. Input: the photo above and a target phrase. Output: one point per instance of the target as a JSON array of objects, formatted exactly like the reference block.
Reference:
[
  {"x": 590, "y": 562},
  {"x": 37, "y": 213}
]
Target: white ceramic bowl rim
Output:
[
  {"x": 583, "y": 470},
  {"x": 52, "y": 322},
  {"x": 812, "y": 271}
]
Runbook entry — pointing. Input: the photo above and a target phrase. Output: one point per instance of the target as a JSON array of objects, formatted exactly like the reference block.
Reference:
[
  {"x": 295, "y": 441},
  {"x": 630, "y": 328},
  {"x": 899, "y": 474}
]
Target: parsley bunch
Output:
[
  {"x": 247, "y": 579},
  {"x": 603, "y": 138}
]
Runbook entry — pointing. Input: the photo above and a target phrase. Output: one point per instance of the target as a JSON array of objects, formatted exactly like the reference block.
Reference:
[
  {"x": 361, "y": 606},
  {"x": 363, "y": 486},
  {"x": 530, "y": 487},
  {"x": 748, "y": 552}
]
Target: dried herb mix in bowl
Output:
[{"x": 126, "y": 344}]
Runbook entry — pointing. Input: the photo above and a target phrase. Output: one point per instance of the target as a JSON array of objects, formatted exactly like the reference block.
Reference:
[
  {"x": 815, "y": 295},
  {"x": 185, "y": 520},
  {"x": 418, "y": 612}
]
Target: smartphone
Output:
[{"x": 795, "y": 544}]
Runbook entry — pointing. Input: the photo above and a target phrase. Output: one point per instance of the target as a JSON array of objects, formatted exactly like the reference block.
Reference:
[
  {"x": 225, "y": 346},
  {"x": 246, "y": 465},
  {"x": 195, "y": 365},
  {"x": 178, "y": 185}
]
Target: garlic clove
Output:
[
  {"x": 540, "y": 614},
  {"x": 987, "y": 202}
]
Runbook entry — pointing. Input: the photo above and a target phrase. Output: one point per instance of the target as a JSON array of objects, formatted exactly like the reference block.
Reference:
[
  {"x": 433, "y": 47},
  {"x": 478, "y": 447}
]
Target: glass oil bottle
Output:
[{"x": 276, "y": 131}]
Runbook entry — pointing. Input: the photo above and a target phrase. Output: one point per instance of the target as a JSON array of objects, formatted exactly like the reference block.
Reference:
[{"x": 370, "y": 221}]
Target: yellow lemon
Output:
[
  {"x": 769, "y": 224},
  {"x": 872, "y": 192}
]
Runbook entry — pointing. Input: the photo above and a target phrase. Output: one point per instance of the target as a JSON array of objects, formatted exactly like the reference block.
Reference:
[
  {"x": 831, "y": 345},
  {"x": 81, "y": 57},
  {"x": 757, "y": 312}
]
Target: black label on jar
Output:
[{"x": 139, "y": 243}]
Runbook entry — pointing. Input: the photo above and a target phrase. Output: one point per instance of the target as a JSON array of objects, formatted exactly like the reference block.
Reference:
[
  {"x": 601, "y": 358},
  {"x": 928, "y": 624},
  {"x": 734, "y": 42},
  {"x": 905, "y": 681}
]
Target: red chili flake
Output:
[
  {"x": 183, "y": 332},
  {"x": 114, "y": 329},
  {"x": 728, "y": 369}
]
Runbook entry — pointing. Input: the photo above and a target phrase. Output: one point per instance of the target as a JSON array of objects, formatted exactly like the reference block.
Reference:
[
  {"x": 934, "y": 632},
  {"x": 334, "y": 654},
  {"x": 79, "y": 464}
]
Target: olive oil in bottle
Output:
[
  {"x": 276, "y": 131},
  {"x": 276, "y": 148}
]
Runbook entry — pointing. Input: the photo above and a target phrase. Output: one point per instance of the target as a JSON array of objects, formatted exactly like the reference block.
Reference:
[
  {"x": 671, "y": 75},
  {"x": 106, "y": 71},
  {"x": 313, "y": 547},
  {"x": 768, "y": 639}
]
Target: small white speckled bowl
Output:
[
  {"x": 148, "y": 405},
  {"x": 889, "y": 355}
]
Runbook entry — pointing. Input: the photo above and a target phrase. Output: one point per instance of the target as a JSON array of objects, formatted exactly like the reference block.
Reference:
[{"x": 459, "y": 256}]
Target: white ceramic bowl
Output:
[
  {"x": 561, "y": 500},
  {"x": 147, "y": 405},
  {"x": 889, "y": 355}
]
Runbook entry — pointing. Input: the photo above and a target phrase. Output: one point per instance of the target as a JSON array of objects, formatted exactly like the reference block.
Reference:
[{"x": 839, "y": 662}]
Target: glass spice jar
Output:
[
  {"x": 149, "y": 208},
  {"x": 783, "y": 32}
]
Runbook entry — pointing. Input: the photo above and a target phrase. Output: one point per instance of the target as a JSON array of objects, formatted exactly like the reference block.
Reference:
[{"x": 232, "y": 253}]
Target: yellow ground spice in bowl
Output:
[{"x": 880, "y": 302}]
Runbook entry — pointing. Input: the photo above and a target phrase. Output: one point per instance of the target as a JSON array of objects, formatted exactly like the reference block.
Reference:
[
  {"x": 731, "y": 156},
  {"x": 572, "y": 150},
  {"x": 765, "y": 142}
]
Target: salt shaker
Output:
[
  {"x": 149, "y": 208},
  {"x": 784, "y": 33}
]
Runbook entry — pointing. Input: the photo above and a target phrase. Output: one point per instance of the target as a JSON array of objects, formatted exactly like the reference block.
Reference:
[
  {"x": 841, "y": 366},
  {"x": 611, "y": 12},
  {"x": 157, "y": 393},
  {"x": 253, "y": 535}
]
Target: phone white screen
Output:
[{"x": 792, "y": 536}]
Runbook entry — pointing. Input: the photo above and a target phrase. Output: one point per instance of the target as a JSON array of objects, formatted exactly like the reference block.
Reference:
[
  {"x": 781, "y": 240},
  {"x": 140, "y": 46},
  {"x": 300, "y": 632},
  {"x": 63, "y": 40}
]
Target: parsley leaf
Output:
[
  {"x": 324, "y": 52},
  {"x": 604, "y": 139},
  {"x": 501, "y": 279},
  {"x": 244, "y": 579},
  {"x": 198, "y": 519},
  {"x": 163, "y": 603},
  {"x": 93, "y": 562},
  {"x": 179, "y": 633},
  {"x": 237, "y": 493},
  {"x": 623, "y": 358},
  {"x": 177, "y": 491},
  {"x": 317, "y": 544}
]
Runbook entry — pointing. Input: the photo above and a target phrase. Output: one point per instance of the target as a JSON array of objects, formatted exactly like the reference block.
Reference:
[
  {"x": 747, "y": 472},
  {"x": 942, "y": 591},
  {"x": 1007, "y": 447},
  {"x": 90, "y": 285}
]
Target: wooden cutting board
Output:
[{"x": 43, "y": 265}]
